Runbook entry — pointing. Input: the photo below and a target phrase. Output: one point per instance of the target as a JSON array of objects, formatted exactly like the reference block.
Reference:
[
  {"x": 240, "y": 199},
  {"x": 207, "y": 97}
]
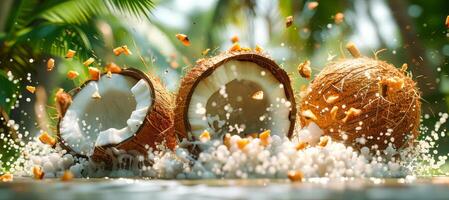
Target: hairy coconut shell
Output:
[
  {"x": 386, "y": 115},
  {"x": 157, "y": 128},
  {"x": 205, "y": 67}
]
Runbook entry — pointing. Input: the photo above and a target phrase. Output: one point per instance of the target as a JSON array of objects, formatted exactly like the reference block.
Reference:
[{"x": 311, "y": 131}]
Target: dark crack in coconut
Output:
[
  {"x": 364, "y": 102},
  {"x": 128, "y": 111},
  {"x": 239, "y": 92}
]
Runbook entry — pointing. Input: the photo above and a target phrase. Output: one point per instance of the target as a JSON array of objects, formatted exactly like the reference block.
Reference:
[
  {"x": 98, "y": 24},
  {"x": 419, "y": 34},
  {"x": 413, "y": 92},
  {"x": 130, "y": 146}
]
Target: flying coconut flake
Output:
[
  {"x": 257, "y": 95},
  {"x": 305, "y": 70},
  {"x": 88, "y": 61},
  {"x": 50, "y": 64},
  {"x": 183, "y": 38},
  {"x": 235, "y": 39},
  {"x": 288, "y": 21},
  {"x": 70, "y": 53},
  {"x": 312, "y": 5},
  {"x": 205, "y": 52},
  {"x": 235, "y": 47},
  {"x": 72, "y": 74},
  {"x": 447, "y": 21},
  {"x": 258, "y": 49},
  {"x": 7, "y": 177},
  {"x": 338, "y": 18},
  {"x": 31, "y": 89},
  {"x": 122, "y": 49}
]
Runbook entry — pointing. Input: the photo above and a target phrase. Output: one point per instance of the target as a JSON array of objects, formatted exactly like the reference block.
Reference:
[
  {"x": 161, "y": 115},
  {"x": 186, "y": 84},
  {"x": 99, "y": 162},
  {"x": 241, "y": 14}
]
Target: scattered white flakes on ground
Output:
[{"x": 255, "y": 160}]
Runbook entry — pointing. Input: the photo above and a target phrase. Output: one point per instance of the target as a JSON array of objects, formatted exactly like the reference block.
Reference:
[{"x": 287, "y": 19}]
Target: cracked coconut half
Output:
[
  {"x": 129, "y": 111},
  {"x": 239, "y": 92}
]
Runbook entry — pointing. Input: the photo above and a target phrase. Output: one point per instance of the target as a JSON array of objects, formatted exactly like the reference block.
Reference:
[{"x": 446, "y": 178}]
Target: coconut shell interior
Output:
[
  {"x": 156, "y": 128},
  {"x": 205, "y": 67}
]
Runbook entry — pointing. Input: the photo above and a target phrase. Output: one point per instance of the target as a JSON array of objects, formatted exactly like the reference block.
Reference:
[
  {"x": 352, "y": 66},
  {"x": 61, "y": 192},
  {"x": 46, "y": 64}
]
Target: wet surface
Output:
[{"x": 421, "y": 188}]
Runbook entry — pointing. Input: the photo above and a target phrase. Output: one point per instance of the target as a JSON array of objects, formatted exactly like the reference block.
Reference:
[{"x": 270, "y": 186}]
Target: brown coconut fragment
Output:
[
  {"x": 63, "y": 101},
  {"x": 70, "y": 53},
  {"x": 304, "y": 69},
  {"x": 7, "y": 177},
  {"x": 183, "y": 38},
  {"x": 235, "y": 39},
  {"x": 72, "y": 74},
  {"x": 156, "y": 128},
  {"x": 94, "y": 73},
  {"x": 295, "y": 175},
  {"x": 241, "y": 143},
  {"x": 356, "y": 82},
  {"x": 288, "y": 21},
  {"x": 88, "y": 61},
  {"x": 47, "y": 139},
  {"x": 50, "y": 64},
  {"x": 447, "y": 21},
  {"x": 300, "y": 145},
  {"x": 31, "y": 89},
  {"x": 353, "y": 50},
  {"x": 265, "y": 137},
  {"x": 38, "y": 173},
  {"x": 312, "y": 5},
  {"x": 235, "y": 47},
  {"x": 67, "y": 176},
  {"x": 258, "y": 49},
  {"x": 205, "y": 136},
  {"x": 323, "y": 141},
  {"x": 339, "y": 17},
  {"x": 257, "y": 95},
  {"x": 122, "y": 49},
  {"x": 244, "y": 92},
  {"x": 113, "y": 68}
]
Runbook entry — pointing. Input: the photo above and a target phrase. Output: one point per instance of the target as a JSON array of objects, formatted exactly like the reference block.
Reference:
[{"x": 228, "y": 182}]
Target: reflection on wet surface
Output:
[{"x": 422, "y": 188}]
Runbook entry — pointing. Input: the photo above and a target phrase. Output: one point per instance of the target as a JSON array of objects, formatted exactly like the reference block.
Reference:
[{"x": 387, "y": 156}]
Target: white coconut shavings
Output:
[{"x": 333, "y": 160}]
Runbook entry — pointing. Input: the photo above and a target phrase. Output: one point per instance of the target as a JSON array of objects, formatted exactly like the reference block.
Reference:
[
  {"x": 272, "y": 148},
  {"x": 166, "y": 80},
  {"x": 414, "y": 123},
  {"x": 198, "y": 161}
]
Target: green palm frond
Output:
[
  {"x": 81, "y": 11},
  {"x": 55, "y": 26},
  {"x": 136, "y": 8},
  {"x": 20, "y": 18}
]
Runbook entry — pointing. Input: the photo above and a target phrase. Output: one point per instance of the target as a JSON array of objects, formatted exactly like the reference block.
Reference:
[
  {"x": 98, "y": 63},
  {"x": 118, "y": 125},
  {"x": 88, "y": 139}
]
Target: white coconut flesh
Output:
[
  {"x": 229, "y": 100},
  {"x": 116, "y": 116}
]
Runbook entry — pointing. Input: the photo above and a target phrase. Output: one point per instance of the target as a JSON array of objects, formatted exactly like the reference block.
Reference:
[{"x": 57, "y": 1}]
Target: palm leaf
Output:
[{"x": 82, "y": 11}]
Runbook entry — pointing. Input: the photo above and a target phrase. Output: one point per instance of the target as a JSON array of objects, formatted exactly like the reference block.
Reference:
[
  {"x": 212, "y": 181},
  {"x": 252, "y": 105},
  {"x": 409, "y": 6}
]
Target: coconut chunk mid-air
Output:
[
  {"x": 238, "y": 92},
  {"x": 129, "y": 111}
]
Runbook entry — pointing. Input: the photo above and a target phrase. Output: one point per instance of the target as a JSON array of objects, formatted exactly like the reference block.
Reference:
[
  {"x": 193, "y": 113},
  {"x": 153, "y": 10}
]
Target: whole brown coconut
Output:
[
  {"x": 237, "y": 92},
  {"x": 116, "y": 111},
  {"x": 363, "y": 102}
]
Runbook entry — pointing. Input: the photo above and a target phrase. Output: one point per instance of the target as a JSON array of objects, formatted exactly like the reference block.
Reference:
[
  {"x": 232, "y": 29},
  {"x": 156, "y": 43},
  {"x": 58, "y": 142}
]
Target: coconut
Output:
[
  {"x": 129, "y": 111},
  {"x": 238, "y": 92},
  {"x": 363, "y": 102}
]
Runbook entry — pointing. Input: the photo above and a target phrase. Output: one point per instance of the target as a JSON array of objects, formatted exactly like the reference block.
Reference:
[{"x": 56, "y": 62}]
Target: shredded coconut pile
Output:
[{"x": 251, "y": 160}]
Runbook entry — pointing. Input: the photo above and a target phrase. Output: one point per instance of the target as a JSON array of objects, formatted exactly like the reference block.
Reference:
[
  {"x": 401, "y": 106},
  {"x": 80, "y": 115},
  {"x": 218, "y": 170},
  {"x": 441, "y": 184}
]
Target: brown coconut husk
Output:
[
  {"x": 157, "y": 128},
  {"x": 206, "y": 66},
  {"x": 359, "y": 83}
]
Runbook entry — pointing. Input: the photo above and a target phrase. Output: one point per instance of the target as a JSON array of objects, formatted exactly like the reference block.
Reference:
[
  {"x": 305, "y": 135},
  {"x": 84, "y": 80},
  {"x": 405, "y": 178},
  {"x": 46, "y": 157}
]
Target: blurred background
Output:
[{"x": 33, "y": 31}]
